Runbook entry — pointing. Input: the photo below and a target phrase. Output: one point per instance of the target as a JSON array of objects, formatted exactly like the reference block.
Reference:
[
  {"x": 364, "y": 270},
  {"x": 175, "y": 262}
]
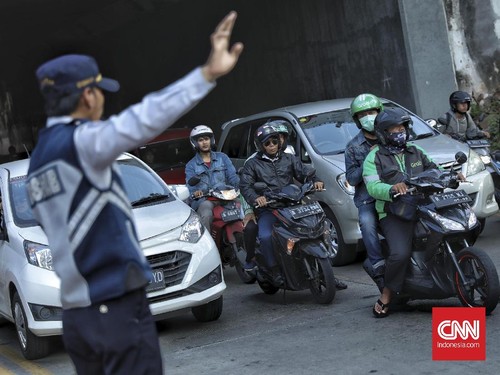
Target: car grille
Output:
[
  {"x": 447, "y": 166},
  {"x": 174, "y": 265}
]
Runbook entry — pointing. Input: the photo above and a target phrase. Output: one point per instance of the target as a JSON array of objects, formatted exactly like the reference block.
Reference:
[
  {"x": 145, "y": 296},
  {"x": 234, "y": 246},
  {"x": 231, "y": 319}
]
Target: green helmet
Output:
[{"x": 362, "y": 103}]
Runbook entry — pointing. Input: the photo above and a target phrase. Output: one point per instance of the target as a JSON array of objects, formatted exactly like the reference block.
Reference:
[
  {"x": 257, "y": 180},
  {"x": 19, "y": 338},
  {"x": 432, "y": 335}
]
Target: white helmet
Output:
[{"x": 199, "y": 131}]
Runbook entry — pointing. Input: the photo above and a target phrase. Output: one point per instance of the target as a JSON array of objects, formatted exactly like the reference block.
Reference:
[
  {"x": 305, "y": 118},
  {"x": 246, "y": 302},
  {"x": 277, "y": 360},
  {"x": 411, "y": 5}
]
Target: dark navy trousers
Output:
[{"x": 118, "y": 336}]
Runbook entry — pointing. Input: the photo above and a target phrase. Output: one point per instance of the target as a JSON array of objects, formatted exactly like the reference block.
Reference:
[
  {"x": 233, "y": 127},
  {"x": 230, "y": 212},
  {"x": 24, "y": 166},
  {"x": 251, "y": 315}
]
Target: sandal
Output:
[{"x": 383, "y": 306}]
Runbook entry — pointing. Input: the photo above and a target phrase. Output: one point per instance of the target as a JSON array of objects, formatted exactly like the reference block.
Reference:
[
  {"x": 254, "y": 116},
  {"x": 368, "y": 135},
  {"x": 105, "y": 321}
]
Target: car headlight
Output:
[
  {"x": 192, "y": 229},
  {"x": 342, "y": 181},
  {"x": 38, "y": 255},
  {"x": 474, "y": 163}
]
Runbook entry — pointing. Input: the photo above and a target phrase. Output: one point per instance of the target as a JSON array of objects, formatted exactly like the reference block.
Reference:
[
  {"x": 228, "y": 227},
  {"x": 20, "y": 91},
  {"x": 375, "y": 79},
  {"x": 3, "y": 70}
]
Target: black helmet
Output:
[
  {"x": 199, "y": 131},
  {"x": 459, "y": 97},
  {"x": 263, "y": 133},
  {"x": 388, "y": 118}
]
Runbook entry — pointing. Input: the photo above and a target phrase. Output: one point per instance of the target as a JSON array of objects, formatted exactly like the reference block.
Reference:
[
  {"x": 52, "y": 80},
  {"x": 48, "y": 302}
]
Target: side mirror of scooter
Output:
[
  {"x": 432, "y": 122},
  {"x": 260, "y": 186},
  {"x": 193, "y": 181},
  {"x": 460, "y": 158}
]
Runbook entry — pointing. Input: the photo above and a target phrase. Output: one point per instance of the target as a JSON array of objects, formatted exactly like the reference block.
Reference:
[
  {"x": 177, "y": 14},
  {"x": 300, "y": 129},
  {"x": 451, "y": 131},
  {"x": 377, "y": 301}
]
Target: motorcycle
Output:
[
  {"x": 300, "y": 242},
  {"x": 227, "y": 228},
  {"x": 443, "y": 262}
]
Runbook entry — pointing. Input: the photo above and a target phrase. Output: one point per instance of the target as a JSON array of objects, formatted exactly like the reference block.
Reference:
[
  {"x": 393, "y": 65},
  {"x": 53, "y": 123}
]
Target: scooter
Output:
[
  {"x": 227, "y": 228},
  {"x": 443, "y": 263},
  {"x": 300, "y": 242}
]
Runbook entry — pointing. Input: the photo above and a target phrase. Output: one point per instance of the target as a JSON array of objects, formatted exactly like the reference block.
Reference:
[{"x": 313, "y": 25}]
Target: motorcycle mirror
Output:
[
  {"x": 460, "y": 157},
  {"x": 195, "y": 180},
  {"x": 260, "y": 186}
]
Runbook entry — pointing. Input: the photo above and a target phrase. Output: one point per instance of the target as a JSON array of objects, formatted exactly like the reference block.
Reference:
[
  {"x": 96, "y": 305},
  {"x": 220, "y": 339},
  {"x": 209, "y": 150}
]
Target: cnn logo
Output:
[
  {"x": 451, "y": 329},
  {"x": 458, "y": 333}
]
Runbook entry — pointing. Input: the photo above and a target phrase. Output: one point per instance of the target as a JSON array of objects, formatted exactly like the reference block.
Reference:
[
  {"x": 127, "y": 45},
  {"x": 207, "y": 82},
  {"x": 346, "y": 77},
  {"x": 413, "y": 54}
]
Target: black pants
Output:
[
  {"x": 114, "y": 337},
  {"x": 250, "y": 235},
  {"x": 399, "y": 235}
]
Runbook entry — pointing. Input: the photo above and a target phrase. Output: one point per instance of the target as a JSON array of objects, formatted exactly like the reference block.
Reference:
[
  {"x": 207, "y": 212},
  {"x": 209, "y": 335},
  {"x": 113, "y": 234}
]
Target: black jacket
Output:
[{"x": 276, "y": 174}]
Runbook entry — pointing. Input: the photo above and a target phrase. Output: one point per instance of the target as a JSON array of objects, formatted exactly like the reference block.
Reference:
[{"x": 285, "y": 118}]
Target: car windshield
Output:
[
  {"x": 140, "y": 185},
  {"x": 329, "y": 132},
  {"x": 167, "y": 154}
]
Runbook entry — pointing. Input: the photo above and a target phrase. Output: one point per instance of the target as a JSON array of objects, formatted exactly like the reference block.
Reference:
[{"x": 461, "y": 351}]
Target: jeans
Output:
[
  {"x": 206, "y": 214},
  {"x": 266, "y": 219},
  {"x": 368, "y": 222}
]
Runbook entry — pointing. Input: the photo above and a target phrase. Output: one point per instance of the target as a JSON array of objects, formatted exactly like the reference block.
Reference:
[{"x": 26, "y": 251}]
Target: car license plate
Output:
[
  {"x": 450, "y": 198},
  {"x": 230, "y": 215},
  {"x": 305, "y": 210},
  {"x": 157, "y": 282}
]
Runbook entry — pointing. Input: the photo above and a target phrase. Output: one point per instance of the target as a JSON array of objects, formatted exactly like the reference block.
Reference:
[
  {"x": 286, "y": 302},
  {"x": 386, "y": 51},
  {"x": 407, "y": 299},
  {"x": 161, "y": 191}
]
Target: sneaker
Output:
[
  {"x": 250, "y": 266},
  {"x": 340, "y": 285}
]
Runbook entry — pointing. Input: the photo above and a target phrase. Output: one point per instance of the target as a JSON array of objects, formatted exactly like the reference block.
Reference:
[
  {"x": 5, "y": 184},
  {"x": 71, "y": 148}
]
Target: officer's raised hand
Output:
[{"x": 222, "y": 59}]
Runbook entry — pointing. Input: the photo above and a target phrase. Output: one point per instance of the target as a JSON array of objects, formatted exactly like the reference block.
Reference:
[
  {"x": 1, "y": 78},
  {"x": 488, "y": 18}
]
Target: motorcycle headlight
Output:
[
  {"x": 38, "y": 255},
  {"x": 342, "y": 181},
  {"x": 472, "y": 219},
  {"x": 192, "y": 229},
  {"x": 485, "y": 159},
  {"x": 446, "y": 223},
  {"x": 474, "y": 163}
]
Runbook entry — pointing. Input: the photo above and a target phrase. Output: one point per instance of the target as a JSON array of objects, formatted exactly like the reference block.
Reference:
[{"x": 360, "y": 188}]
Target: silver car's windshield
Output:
[
  {"x": 138, "y": 181},
  {"x": 329, "y": 132}
]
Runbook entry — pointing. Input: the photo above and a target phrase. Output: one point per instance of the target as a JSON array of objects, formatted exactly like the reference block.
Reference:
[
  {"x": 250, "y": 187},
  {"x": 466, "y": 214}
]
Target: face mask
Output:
[
  {"x": 367, "y": 122},
  {"x": 397, "y": 139}
]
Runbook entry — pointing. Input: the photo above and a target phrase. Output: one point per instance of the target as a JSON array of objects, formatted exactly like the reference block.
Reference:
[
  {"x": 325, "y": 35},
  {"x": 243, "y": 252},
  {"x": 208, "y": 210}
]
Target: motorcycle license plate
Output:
[
  {"x": 475, "y": 143},
  {"x": 450, "y": 198},
  {"x": 305, "y": 210},
  {"x": 157, "y": 282},
  {"x": 230, "y": 215}
]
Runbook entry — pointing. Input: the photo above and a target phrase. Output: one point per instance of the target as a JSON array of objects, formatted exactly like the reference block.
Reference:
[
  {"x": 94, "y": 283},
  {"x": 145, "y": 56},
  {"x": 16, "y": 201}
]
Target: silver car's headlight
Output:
[
  {"x": 342, "y": 181},
  {"x": 192, "y": 229},
  {"x": 474, "y": 163},
  {"x": 38, "y": 255}
]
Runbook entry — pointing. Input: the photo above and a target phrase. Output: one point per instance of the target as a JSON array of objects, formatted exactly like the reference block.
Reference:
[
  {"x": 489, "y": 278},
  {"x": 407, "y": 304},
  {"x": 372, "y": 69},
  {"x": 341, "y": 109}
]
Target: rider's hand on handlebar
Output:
[
  {"x": 319, "y": 185},
  {"x": 198, "y": 194},
  {"x": 399, "y": 189},
  {"x": 261, "y": 201}
]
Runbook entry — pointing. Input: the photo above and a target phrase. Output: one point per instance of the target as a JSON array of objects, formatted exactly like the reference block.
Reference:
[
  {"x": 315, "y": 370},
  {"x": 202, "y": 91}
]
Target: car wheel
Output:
[
  {"x": 344, "y": 254},
  {"x": 208, "y": 312},
  {"x": 32, "y": 347}
]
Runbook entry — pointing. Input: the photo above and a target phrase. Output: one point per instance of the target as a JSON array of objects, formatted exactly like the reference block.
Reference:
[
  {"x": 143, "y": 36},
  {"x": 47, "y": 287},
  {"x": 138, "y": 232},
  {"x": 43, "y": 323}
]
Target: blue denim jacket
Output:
[
  {"x": 220, "y": 172},
  {"x": 355, "y": 154}
]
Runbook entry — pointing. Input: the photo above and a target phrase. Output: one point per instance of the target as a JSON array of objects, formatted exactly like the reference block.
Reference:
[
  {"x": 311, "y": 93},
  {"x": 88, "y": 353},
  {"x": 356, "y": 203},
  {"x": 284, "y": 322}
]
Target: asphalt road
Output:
[{"x": 290, "y": 334}]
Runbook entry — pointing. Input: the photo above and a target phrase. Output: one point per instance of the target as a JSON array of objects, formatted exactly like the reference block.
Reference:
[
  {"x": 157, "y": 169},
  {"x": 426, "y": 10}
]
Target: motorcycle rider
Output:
[
  {"x": 457, "y": 122},
  {"x": 384, "y": 171},
  {"x": 213, "y": 168},
  {"x": 276, "y": 169},
  {"x": 364, "y": 109}
]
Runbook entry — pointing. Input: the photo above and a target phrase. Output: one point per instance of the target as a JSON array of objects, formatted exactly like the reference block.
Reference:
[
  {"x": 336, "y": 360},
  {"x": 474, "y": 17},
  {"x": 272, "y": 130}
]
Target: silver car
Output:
[
  {"x": 187, "y": 271},
  {"x": 319, "y": 133}
]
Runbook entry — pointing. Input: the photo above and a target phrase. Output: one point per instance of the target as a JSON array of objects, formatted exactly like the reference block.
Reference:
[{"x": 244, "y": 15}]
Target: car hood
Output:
[
  {"x": 150, "y": 221},
  {"x": 441, "y": 149}
]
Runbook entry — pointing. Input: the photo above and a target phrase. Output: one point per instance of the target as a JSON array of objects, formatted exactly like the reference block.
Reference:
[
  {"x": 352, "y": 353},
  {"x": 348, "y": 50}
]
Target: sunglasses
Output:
[{"x": 274, "y": 141}]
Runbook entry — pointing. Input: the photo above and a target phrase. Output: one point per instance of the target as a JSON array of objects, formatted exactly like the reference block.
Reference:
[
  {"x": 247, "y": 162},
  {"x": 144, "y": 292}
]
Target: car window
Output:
[
  {"x": 328, "y": 133},
  {"x": 137, "y": 180},
  {"x": 165, "y": 155}
]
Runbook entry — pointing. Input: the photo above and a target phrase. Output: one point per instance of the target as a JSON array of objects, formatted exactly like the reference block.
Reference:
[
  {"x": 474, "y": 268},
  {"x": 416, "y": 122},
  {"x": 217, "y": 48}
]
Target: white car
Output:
[{"x": 187, "y": 272}]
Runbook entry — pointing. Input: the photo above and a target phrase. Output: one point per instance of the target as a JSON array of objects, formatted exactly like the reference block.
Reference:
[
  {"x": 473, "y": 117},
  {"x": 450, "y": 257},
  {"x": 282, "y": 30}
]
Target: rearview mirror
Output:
[{"x": 460, "y": 157}]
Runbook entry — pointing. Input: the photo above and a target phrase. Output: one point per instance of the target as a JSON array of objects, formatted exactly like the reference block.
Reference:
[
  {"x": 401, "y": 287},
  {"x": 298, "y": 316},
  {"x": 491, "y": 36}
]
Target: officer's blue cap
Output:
[{"x": 69, "y": 74}]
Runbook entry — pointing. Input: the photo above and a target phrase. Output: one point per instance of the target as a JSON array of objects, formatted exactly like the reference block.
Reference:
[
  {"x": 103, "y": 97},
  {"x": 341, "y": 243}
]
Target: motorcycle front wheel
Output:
[
  {"x": 480, "y": 272},
  {"x": 322, "y": 283}
]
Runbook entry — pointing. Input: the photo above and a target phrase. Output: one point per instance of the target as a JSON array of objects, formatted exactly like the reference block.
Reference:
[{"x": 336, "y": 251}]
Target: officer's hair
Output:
[{"x": 62, "y": 106}]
